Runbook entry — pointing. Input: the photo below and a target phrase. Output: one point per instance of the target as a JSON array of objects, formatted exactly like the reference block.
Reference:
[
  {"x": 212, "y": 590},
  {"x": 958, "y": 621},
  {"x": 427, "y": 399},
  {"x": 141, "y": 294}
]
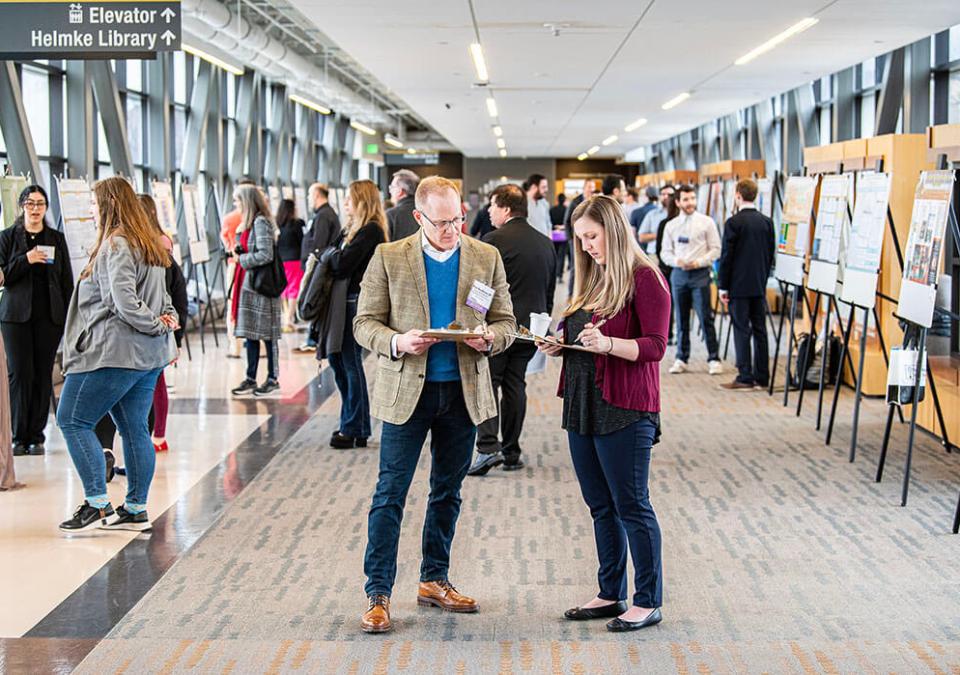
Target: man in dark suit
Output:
[
  {"x": 400, "y": 220},
  {"x": 530, "y": 264},
  {"x": 323, "y": 232},
  {"x": 745, "y": 262}
]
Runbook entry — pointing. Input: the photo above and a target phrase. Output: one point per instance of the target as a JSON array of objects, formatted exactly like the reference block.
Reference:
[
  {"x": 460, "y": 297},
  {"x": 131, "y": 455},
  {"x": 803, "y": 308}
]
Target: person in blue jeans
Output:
[
  {"x": 117, "y": 341},
  {"x": 367, "y": 229}
]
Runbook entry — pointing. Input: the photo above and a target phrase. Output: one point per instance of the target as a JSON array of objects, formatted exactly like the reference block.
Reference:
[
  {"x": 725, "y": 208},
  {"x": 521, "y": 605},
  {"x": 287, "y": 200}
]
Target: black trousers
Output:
[
  {"x": 749, "y": 317},
  {"x": 31, "y": 350},
  {"x": 508, "y": 372}
]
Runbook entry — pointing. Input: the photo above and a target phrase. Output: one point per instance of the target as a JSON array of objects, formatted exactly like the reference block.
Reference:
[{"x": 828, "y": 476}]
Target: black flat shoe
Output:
[
  {"x": 587, "y": 613},
  {"x": 341, "y": 442},
  {"x": 485, "y": 462},
  {"x": 20, "y": 450},
  {"x": 618, "y": 625},
  {"x": 513, "y": 466},
  {"x": 36, "y": 449}
]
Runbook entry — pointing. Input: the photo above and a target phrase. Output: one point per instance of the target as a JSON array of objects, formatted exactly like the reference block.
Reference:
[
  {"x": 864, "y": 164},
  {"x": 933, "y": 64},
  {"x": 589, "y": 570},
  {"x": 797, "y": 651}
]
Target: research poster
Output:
[
  {"x": 794, "y": 233},
  {"x": 194, "y": 221},
  {"x": 869, "y": 218},
  {"x": 765, "y": 197},
  {"x": 79, "y": 227},
  {"x": 831, "y": 218}
]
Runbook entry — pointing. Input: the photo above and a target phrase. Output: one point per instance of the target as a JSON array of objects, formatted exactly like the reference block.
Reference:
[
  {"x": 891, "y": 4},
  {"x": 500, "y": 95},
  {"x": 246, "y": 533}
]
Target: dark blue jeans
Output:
[
  {"x": 612, "y": 470},
  {"x": 691, "y": 290},
  {"x": 351, "y": 381},
  {"x": 442, "y": 413},
  {"x": 128, "y": 396}
]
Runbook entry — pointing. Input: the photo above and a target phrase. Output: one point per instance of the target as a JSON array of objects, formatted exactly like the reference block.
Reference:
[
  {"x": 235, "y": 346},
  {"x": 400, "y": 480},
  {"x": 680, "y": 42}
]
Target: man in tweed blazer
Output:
[{"x": 425, "y": 386}]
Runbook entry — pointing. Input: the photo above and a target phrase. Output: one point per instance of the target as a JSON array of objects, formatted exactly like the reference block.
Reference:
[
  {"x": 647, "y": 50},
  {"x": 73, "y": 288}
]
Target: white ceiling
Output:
[{"x": 557, "y": 96}]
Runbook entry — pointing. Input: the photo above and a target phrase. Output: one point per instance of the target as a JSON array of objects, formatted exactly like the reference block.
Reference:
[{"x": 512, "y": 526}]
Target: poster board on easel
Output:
[
  {"x": 861, "y": 259},
  {"x": 167, "y": 214},
  {"x": 765, "y": 197},
  {"x": 76, "y": 221},
  {"x": 193, "y": 215},
  {"x": 924, "y": 253},
  {"x": 794, "y": 233},
  {"x": 829, "y": 233},
  {"x": 10, "y": 189}
]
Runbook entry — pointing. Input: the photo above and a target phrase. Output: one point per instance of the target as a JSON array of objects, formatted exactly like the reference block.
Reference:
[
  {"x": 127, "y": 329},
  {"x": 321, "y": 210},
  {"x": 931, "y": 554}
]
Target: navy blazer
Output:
[
  {"x": 17, "y": 299},
  {"x": 747, "y": 254}
]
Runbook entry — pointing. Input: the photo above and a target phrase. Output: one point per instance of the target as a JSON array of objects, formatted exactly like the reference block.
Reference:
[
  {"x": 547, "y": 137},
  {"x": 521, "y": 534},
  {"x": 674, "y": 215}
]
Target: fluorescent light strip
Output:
[
  {"x": 392, "y": 141},
  {"x": 498, "y": 132},
  {"x": 501, "y": 143},
  {"x": 210, "y": 58},
  {"x": 609, "y": 139},
  {"x": 594, "y": 150},
  {"x": 633, "y": 126},
  {"x": 491, "y": 106},
  {"x": 363, "y": 128},
  {"x": 582, "y": 156},
  {"x": 479, "y": 63},
  {"x": 795, "y": 29},
  {"x": 676, "y": 100},
  {"x": 503, "y": 153},
  {"x": 411, "y": 151},
  {"x": 307, "y": 103}
]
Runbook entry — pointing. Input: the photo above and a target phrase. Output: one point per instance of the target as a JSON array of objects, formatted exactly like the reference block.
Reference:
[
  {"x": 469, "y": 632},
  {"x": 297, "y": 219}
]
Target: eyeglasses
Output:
[
  {"x": 30, "y": 204},
  {"x": 441, "y": 225}
]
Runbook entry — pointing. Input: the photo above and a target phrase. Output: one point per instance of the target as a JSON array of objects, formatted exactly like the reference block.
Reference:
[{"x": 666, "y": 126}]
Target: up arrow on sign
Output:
[
  {"x": 168, "y": 14},
  {"x": 168, "y": 37}
]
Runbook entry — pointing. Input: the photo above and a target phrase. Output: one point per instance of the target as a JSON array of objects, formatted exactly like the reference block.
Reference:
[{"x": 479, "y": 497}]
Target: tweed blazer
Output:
[{"x": 393, "y": 299}]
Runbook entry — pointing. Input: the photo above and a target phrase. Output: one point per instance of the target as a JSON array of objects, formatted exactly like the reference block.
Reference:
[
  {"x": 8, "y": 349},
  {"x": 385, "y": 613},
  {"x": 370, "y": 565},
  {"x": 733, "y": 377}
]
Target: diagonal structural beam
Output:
[
  {"x": 80, "y": 120},
  {"x": 160, "y": 139},
  {"x": 113, "y": 115},
  {"x": 247, "y": 97},
  {"x": 891, "y": 93},
  {"x": 197, "y": 122},
  {"x": 21, "y": 151},
  {"x": 271, "y": 167}
]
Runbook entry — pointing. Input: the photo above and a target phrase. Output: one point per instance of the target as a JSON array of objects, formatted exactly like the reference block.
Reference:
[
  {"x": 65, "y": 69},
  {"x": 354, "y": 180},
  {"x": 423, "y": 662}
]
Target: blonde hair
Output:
[
  {"x": 606, "y": 289},
  {"x": 122, "y": 214},
  {"x": 365, "y": 207},
  {"x": 252, "y": 205},
  {"x": 434, "y": 185}
]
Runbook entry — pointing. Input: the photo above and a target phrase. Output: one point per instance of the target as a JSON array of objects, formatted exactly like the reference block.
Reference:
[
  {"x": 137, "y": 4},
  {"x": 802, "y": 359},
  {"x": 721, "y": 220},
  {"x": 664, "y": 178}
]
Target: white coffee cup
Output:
[{"x": 539, "y": 323}]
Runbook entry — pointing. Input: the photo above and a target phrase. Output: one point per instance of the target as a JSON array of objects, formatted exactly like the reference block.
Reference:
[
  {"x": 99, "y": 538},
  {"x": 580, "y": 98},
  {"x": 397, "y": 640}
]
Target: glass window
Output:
[
  {"x": 953, "y": 106},
  {"x": 135, "y": 127},
  {"x": 868, "y": 73},
  {"x": 955, "y": 43},
  {"x": 179, "y": 78},
  {"x": 868, "y": 114},
  {"x": 134, "y": 75},
  {"x": 36, "y": 100},
  {"x": 179, "y": 131},
  {"x": 231, "y": 95},
  {"x": 103, "y": 151},
  {"x": 826, "y": 127},
  {"x": 3, "y": 146}
]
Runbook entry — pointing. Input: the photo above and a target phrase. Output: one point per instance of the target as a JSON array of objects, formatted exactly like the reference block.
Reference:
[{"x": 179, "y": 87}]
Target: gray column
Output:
[
  {"x": 113, "y": 115},
  {"x": 159, "y": 137},
  {"x": 196, "y": 122},
  {"x": 80, "y": 120},
  {"x": 21, "y": 152},
  {"x": 844, "y": 113},
  {"x": 249, "y": 86},
  {"x": 891, "y": 93},
  {"x": 916, "y": 90}
]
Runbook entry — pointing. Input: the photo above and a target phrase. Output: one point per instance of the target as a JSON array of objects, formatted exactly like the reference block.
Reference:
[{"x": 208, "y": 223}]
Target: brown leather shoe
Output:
[
  {"x": 442, "y": 594},
  {"x": 736, "y": 385},
  {"x": 377, "y": 617}
]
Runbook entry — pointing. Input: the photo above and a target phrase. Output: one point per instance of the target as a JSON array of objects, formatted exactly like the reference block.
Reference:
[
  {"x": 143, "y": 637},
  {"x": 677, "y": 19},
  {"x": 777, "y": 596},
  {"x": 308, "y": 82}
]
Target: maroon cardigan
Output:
[{"x": 635, "y": 385}]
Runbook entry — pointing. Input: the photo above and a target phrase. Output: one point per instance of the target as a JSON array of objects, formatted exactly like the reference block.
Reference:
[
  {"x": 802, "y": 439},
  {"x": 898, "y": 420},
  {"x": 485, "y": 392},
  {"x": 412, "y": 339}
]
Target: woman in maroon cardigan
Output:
[{"x": 619, "y": 313}]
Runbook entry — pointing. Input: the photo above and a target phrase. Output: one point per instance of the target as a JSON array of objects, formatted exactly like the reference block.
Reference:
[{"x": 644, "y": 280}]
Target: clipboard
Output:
[
  {"x": 550, "y": 341},
  {"x": 450, "y": 335}
]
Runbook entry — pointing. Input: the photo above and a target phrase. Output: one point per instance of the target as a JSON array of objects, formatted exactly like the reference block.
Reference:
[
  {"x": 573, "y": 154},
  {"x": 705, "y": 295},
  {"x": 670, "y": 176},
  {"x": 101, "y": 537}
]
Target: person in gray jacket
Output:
[
  {"x": 258, "y": 317},
  {"x": 117, "y": 340}
]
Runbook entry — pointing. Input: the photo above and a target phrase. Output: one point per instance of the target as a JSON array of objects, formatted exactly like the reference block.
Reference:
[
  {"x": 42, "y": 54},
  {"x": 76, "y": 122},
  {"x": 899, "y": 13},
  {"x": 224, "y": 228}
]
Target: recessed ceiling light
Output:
[
  {"x": 676, "y": 100},
  {"x": 582, "y": 156},
  {"x": 501, "y": 143},
  {"x": 610, "y": 139},
  {"x": 503, "y": 153},
  {"x": 479, "y": 63},
  {"x": 497, "y": 131},
  {"x": 412, "y": 151},
  {"x": 594, "y": 150},
  {"x": 633, "y": 126},
  {"x": 795, "y": 29},
  {"x": 491, "y": 106}
]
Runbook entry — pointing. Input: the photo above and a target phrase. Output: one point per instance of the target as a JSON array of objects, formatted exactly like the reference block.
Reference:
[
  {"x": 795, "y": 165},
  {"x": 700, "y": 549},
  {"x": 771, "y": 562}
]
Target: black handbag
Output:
[{"x": 269, "y": 280}]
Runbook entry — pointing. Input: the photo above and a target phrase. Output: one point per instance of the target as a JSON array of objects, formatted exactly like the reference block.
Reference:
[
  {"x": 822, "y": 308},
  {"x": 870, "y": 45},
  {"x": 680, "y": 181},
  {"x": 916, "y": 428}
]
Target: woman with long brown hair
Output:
[
  {"x": 611, "y": 403},
  {"x": 116, "y": 344},
  {"x": 366, "y": 229}
]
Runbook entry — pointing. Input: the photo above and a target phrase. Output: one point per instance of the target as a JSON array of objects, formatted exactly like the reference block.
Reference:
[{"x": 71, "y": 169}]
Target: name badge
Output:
[
  {"x": 481, "y": 297},
  {"x": 683, "y": 240}
]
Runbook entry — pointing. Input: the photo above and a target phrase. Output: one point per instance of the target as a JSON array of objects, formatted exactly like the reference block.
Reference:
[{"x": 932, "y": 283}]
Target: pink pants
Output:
[{"x": 161, "y": 406}]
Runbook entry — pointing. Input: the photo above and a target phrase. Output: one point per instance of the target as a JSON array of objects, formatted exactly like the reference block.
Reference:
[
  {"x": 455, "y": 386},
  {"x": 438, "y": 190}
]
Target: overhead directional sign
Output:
[{"x": 88, "y": 30}]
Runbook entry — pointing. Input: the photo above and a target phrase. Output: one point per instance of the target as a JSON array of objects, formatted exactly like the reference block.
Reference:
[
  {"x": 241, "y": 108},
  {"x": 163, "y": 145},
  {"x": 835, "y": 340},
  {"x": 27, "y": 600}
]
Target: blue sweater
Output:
[{"x": 442, "y": 277}]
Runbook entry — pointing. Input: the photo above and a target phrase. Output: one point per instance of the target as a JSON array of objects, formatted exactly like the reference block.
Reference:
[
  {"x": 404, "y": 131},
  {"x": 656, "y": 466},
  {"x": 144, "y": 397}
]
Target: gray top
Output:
[{"x": 113, "y": 320}]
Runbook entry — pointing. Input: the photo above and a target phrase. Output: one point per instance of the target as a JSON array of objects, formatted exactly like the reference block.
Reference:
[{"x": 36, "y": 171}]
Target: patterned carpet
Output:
[{"x": 779, "y": 556}]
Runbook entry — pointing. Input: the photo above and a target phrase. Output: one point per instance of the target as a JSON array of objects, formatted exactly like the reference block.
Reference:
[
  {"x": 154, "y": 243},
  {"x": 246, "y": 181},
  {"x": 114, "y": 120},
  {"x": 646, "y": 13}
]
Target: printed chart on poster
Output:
[
  {"x": 167, "y": 214},
  {"x": 921, "y": 264},
  {"x": 828, "y": 234},
  {"x": 794, "y": 234},
  {"x": 861, "y": 259},
  {"x": 273, "y": 192},
  {"x": 192, "y": 206},
  {"x": 765, "y": 196},
  {"x": 79, "y": 227}
]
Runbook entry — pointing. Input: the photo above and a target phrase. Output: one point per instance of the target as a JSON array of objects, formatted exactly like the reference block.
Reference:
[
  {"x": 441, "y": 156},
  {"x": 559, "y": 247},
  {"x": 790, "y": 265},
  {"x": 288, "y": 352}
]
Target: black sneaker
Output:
[
  {"x": 341, "y": 442},
  {"x": 111, "y": 463},
  {"x": 248, "y": 386},
  {"x": 266, "y": 388},
  {"x": 87, "y": 518},
  {"x": 124, "y": 520}
]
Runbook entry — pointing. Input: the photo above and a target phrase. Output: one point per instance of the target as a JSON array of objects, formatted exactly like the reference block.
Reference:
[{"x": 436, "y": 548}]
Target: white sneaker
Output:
[
  {"x": 678, "y": 367},
  {"x": 715, "y": 368}
]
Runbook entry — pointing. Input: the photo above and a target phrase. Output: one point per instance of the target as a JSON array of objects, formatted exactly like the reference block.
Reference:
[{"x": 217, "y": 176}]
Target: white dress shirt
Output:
[
  {"x": 694, "y": 239},
  {"x": 538, "y": 215}
]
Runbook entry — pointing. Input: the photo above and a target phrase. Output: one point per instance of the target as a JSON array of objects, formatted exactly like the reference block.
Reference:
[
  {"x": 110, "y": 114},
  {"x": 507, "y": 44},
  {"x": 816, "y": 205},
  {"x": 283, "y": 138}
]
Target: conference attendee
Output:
[
  {"x": 8, "y": 473},
  {"x": 647, "y": 231},
  {"x": 638, "y": 214},
  {"x": 614, "y": 186},
  {"x": 611, "y": 406},
  {"x": 33, "y": 307},
  {"x": 228, "y": 238},
  {"x": 176, "y": 287},
  {"x": 116, "y": 344},
  {"x": 258, "y": 316},
  {"x": 481, "y": 224},
  {"x": 588, "y": 190},
  {"x": 538, "y": 206},
  {"x": 691, "y": 244},
  {"x": 530, "y": 262},
  {"x": 559, "y": 233},
  {"x": 631, "y": 202},
  {"x": 323, "y": 232},
  {"x": 424, "y": 386},
  {"x": 366, "y": 229},
  {"x": 400, "y": 220},
  {"x": 745, "y": 262},
  {"x": 289, "y": 247},
  {"x": 673, "y": 210}
]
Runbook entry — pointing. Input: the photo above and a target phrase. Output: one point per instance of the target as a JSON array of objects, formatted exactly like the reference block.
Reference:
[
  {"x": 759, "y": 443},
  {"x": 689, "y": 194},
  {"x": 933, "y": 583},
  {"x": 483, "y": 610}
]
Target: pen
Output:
[{"x": 597, "y": 325}]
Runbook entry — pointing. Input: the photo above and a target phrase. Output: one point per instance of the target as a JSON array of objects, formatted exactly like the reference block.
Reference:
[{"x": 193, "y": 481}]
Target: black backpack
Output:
[{"x": 316, "y": 287}]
